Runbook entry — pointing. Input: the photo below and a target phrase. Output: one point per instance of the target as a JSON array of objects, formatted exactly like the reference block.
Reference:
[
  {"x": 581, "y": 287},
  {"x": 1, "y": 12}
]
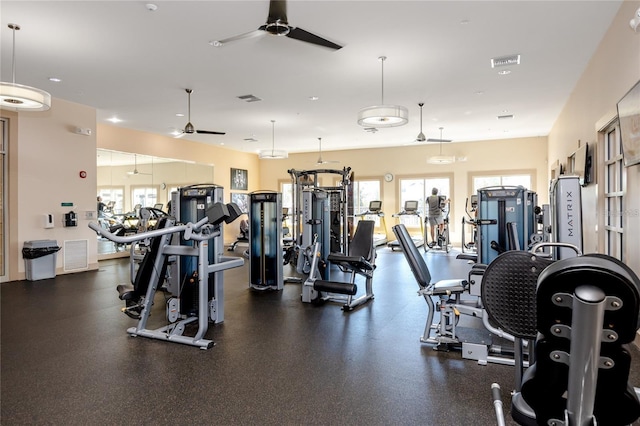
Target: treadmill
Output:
[{"x": 410, "y": 209}]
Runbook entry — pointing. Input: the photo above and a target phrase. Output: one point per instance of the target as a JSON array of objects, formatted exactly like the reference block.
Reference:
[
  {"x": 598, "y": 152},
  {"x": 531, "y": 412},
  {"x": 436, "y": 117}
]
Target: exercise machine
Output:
[
  {"x": 265, "y": 235},
  {"x": 586, "y": 314},
  {"x": 152, "y": 273},
  {"x": 375, "y": 210},
  {"x": 321, "y": 215},
  {"x": 359, "y": 262},
  {"x": 524, "y": 268},
  {"x": 411, "y": 210},
  {"x": 243, "y": 236},
  {"x": 442, "y": 241},
  {"x": 470, "y": 220},
  {"x": 566, "y": 214},
  {"x": 499, "y": 206}
]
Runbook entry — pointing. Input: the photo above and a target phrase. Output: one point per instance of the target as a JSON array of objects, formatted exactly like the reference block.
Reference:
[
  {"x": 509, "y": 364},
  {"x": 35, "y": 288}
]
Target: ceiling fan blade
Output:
[
  {"x": 209, "y": 132},
  {"x": 302, "y": 35},
  {"x": 251, "y": 34},
  {"x": 438, "y": 140}
]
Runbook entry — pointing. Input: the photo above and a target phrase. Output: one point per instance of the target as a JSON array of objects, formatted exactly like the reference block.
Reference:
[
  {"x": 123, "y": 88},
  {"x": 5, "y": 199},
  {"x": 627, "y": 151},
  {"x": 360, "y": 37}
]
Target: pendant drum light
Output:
[
  {"x": 18, "y": 97},
  {"x": 383, "y": 115},
  {"x": 273, "y": 153},
  {"x": 440, "y": 159}
]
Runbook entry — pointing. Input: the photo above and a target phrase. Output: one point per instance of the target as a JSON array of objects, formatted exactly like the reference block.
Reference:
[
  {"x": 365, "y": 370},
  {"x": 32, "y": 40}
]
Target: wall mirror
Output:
[{"x": 128, "y": 181}]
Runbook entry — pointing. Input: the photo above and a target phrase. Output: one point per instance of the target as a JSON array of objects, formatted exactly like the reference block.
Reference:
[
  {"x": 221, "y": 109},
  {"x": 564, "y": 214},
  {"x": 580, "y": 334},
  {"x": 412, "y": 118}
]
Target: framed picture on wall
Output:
[
  {"x": 242, "y": 200},
  {"x": 239, "y": 179}
]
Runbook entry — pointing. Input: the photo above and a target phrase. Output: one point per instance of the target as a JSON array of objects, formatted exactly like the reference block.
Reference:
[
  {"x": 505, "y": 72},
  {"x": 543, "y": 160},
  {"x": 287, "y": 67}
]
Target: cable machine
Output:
[
  {"x": 322, "y": 214},
  {"x": 265, "y": 236}
]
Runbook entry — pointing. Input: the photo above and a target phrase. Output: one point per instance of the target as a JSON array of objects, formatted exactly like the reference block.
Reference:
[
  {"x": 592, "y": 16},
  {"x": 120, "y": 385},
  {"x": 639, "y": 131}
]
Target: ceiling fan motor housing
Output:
[{"x": 278, "y": 28}]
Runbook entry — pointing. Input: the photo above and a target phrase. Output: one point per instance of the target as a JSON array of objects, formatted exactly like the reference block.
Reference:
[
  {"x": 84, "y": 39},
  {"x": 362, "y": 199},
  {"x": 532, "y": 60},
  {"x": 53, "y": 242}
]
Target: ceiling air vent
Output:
[
  {"x": 505, "y": 61},
  {"x": 505, "y": 117},
  {"x": 249, "y": 98},
  {"x": 250, "y": 140}
]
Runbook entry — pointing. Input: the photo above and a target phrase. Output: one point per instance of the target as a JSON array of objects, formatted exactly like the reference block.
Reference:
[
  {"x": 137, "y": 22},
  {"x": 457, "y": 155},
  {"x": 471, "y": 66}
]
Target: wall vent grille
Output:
[
  {"x": 76, "y": 255},
  {"x": 505, "y": 61}
]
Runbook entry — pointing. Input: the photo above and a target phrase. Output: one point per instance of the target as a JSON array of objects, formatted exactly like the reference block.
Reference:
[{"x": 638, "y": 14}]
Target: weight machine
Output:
[
  {"x": 359, "y": 262},
  {"x": 321, "y": 215},
  {"x": 199, "y": 298},
  {"x": 499, "y": 206},
  {"x": 265, "y": 236}
]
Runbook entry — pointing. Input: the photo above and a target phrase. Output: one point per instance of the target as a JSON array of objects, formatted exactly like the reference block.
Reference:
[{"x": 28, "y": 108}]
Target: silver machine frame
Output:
[{"x": 209, "y": 308}]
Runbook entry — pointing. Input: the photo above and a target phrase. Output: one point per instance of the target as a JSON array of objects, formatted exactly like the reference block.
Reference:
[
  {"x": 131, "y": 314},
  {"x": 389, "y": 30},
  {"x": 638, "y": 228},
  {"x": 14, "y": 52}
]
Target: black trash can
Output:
[{"x": 40, "y": 259}]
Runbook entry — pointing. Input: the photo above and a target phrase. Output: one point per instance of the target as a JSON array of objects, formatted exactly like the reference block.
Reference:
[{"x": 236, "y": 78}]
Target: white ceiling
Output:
[{"x": 134, "y": 64}]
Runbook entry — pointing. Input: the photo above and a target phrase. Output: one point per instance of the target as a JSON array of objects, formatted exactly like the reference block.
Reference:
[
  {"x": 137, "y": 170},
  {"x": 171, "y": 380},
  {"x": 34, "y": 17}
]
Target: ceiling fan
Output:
[
  {"x": 189, "y": 129},
  {"x": 320, "y": 160},
  {"x": 277, "y": 24},
  {"x": 135, "y": 167},
  {"x": 439, "y": 140}
]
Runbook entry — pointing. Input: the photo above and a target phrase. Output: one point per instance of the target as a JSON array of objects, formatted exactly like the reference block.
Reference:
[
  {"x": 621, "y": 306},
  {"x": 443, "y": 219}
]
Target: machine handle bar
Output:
[
  {"x": 538, "y": 246},
  {"x": 189, "y": 229}
]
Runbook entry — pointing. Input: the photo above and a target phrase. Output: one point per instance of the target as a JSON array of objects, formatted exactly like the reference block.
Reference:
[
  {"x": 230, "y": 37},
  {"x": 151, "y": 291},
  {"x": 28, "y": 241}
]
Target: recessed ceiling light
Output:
[
  {"x": 55, "y": 79},
  {"x": 313, "y": 98},
  {"x": 179, "y": 114},
  {"x": 151, "y": 7},
  {"x": 504, "y": 72},
  {"x": 114, "y": 120},
  {"x": 479, "y": 92},
  {"x": 464, "y": 22}
]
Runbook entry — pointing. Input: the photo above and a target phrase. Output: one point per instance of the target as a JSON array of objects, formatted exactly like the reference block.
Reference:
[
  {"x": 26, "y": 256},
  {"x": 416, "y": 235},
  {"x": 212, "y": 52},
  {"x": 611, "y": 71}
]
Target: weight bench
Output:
[
  {"x": 587, "y": 312},
  {"x": 359, "y": 261}
]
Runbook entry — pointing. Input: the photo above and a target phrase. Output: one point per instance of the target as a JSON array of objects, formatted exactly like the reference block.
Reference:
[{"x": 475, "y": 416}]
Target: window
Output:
[
  {"x": 286, "y": 188},
  {"x": 419, "y": 189},
  {"x": 145, "y": 196},
  {"x": 614, "y": 188},
  {"x": 365, "y": 191},
  {"x": 502, "y": 179},
  {"x": 113, "y": 195}
]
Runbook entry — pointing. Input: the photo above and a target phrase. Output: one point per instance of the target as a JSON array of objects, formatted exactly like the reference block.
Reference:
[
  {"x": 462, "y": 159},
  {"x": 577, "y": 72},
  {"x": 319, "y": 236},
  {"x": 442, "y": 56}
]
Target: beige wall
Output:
[
  {"x": 46, "y": 156},
  {"x": 611, "y": 72},
  {"x": 525, "y": 154}
]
